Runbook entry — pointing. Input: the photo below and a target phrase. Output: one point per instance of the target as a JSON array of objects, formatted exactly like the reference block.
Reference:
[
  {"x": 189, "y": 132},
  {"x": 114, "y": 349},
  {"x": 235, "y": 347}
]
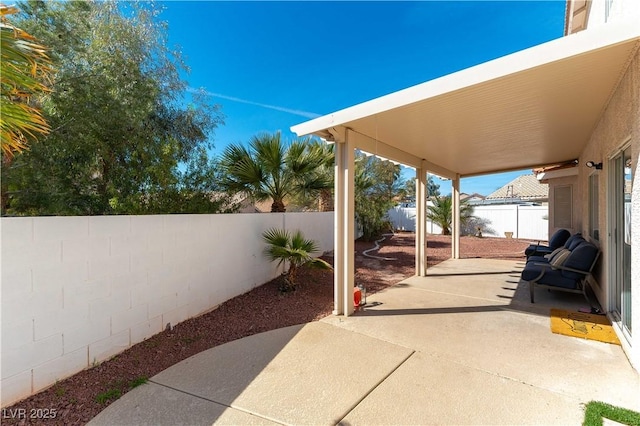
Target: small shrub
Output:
[
  {"x": 138, "y": 381},
  {"x": 118, "y": 388},
  {"x": 294, "y": 249},
  {"x": 60, "y": 391},
  {"x": 110, "y": 395}
]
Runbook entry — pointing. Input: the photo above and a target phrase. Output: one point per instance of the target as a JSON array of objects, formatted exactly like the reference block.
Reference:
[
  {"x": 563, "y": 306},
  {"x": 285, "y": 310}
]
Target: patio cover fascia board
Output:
[
  {"x": 483, "y": 82},
  {"x": 543, "y": 177}
]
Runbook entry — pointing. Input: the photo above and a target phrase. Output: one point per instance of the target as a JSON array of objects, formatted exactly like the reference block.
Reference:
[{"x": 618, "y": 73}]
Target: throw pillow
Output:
[
  {"x": 559, "y": 259},
  {"x": 553, "y": 253}
]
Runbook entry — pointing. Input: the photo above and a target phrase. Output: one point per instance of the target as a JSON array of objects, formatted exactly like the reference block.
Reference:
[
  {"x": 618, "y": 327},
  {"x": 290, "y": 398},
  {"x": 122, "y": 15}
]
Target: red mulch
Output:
[{"x": 75, "y": 400}]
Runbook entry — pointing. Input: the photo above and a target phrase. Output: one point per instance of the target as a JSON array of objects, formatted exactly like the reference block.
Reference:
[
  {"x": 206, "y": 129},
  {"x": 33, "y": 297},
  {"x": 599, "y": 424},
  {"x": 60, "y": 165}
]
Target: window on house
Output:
[
  {"x": 562, "y": 207},
  {"x": 594, "y": 213}
]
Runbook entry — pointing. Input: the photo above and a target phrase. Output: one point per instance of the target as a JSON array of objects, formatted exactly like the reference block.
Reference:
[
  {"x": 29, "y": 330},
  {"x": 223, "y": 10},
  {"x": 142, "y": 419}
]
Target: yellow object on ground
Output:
[{"x": 587, "y": 326}]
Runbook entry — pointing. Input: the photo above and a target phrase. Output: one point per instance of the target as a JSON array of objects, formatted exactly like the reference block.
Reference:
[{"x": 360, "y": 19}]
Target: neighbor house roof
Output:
[
  {"x": 528, "y": 109},
  {"x": 475, "y": 196},
  {"x": 525, "y": 187}
]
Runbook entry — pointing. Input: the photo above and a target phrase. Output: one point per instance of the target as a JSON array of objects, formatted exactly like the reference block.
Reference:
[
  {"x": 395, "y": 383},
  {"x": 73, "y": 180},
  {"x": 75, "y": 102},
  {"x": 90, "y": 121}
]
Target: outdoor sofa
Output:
[
  {"x": 557, "y": 240},
  {"x": 565, "y": 269}
]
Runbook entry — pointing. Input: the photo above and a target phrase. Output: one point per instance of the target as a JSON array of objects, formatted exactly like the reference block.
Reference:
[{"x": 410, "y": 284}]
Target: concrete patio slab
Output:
[
  {"x": 152, "y": 404},
  {"x": 491, "y": 279},
  {"x": 309, "y": 374},
  {"x": 449, "y": 348},
  {"x": 432, "y": 390},
  {"x": 490, "y": 335},
  {"x": 221, "y": 374}
]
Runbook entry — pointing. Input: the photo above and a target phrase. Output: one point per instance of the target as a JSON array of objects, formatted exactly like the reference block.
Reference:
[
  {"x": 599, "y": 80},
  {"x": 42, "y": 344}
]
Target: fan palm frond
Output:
[
  {"x": 26, "y": 72},
  {"x": 270, "y": 168},
  {"x": 294, "y": 248},
  {"x": 440, "y": 213}
]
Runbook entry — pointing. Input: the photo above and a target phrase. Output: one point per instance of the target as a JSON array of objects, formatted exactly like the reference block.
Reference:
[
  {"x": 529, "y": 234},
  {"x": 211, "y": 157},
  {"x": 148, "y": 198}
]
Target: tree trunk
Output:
[
  {"x": 326, "y": 200},
  {"x": 292, "y": 274},
  {"x": 289, "y": 283},
  {"x": 278, "y": 207},
  {"x": 4, "y": 188}
]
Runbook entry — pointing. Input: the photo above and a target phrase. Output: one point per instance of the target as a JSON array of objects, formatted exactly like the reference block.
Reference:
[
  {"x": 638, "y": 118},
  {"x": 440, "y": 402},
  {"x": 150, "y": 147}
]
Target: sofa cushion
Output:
[
  {"x": 531, "y": 272},
  {"x": 581, "y": 258},
  {"x": 536, "y": 250},
  {"x": 555, "y": 278},
  {"x": 559, "y": 238},
  {"x": 574, "y": 241}
]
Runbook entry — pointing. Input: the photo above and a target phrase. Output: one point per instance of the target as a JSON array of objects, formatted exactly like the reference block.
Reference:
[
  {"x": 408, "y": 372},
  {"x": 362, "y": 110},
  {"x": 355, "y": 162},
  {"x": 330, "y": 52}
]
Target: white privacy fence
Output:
[
  {"x": 404, "y": 219},
  {"x": 527, "y": 222},
  {"x": 78, "y": 290}
]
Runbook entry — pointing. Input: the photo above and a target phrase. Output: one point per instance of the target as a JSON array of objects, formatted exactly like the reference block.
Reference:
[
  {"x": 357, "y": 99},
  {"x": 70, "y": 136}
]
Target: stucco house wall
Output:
[
  {"x": 618, "y": 9},
  {"x": 618, "y": 126}
]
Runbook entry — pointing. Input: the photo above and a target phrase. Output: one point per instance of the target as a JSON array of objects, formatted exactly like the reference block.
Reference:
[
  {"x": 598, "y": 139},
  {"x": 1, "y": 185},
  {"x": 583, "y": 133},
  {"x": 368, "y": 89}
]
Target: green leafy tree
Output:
[
  {"x": 433, "y": 189},
  {"x": 121, "y": 135},
  {"x": 292, "y": 248},
  {"x": 440, "y": 213},
  {"x": 269, "y": 168},
  {"x": 196, "y": 192},
  {"x": 377, "y": 185}
]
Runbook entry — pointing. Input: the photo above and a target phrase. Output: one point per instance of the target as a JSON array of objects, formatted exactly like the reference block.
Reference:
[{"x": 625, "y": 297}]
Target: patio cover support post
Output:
[
  {"x": 344, "y": 234},
  {"x": 421, "y": 222},
  {"x": 455, "y": 207}
]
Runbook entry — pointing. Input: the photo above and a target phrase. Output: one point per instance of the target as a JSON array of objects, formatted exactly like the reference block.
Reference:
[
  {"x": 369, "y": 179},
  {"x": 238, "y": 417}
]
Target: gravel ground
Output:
[{"x": 79, "y": 398}]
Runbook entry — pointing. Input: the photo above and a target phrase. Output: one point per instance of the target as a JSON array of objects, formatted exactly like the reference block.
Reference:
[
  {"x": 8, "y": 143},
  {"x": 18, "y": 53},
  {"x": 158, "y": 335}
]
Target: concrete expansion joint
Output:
[
  {"x": 186, "y": 393},
  {"x": 251, "y": 413},
  {"x": 556, "y": 392},
  {"x": 382, "y": 380},
  {"x": 455, "y": 294},
  {"x": 343, "y": 320},
  {"x": 502, "y": 376}
]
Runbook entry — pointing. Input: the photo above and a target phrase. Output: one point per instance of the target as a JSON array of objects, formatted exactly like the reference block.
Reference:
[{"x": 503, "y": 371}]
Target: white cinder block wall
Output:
[{"x": 78, "y": 290}]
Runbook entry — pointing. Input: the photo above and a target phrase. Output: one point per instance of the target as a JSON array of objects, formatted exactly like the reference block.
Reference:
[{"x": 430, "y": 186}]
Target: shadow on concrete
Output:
[
  {"x": 372, "y": 311},
  {"x": 200, "y": 389},
  {"x": 474, "y": 273}
]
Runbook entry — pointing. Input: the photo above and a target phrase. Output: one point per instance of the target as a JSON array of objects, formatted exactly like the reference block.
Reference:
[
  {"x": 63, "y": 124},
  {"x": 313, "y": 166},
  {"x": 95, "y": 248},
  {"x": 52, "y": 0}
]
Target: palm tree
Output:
[
  {"x": 292, "y": 248},
  {"x": 26, "y": 72},
  {"x": 270, "y": 169},
  {"x": 319, "y": 184},
  {"x": 441, "y": 213}
]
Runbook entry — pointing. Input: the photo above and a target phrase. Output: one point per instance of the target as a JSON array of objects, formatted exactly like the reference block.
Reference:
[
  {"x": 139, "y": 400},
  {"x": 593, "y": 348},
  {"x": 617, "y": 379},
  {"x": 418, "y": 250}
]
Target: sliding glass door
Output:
[{"x": 620, "y": 236}]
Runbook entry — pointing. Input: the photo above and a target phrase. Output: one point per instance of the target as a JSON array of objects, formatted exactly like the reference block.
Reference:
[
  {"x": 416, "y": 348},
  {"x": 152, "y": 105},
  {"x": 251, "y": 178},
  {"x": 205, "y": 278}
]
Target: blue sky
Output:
[{"x": 271, "y": 65}]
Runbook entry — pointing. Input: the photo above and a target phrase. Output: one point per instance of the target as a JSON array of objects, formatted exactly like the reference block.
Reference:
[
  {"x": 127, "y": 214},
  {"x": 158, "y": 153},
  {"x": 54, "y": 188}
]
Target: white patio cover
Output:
[{"x": 532, "y": 108}]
